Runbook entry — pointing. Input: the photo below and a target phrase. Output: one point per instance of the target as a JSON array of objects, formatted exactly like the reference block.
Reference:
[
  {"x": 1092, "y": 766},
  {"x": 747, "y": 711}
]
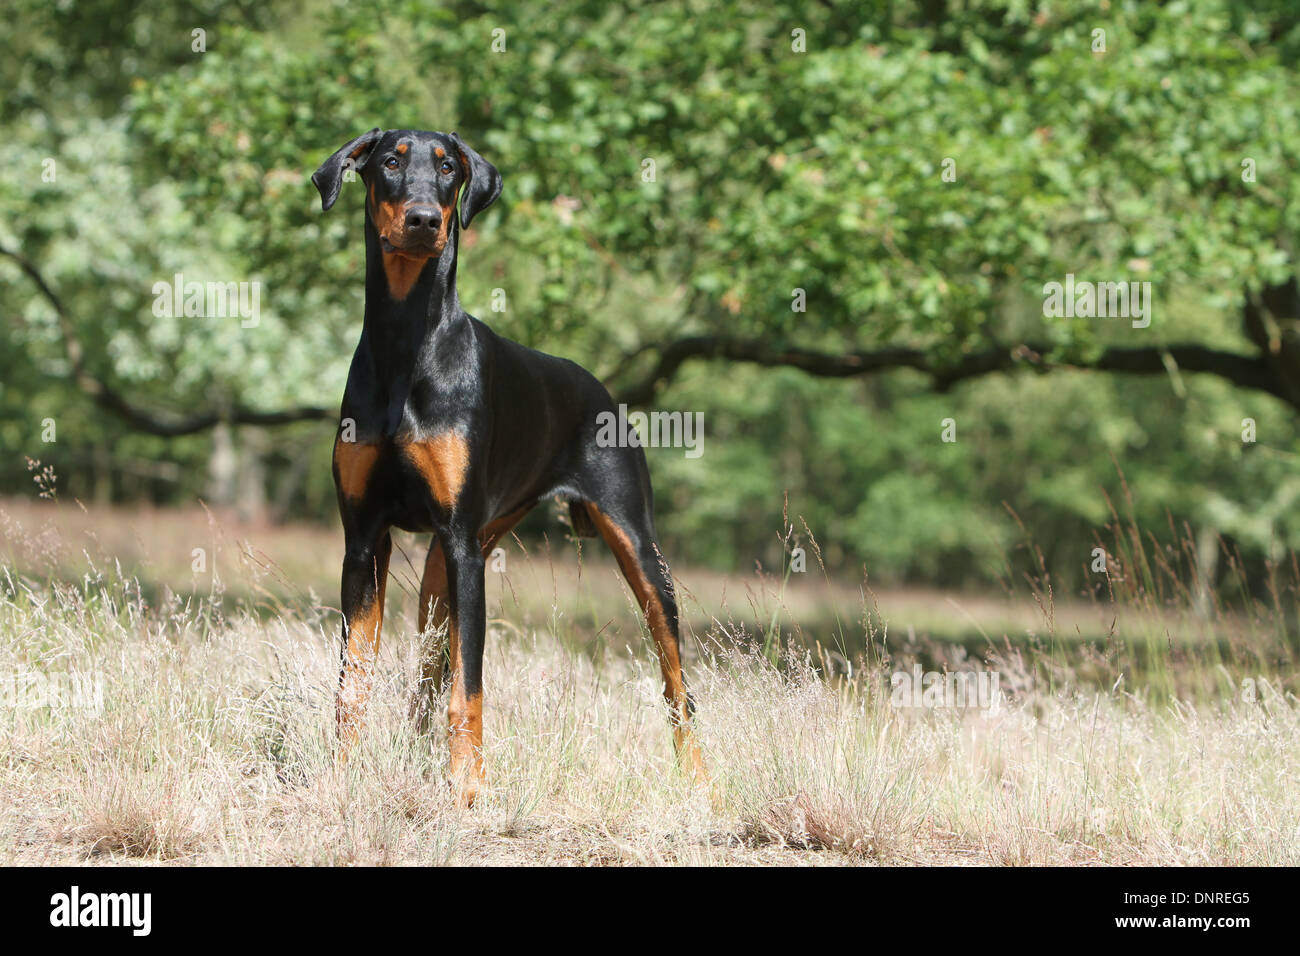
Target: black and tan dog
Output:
[{"x": 449, "y": 428}]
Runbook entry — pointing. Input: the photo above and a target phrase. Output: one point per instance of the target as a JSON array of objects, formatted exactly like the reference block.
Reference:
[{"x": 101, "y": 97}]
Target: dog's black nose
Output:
[{"x": 423, "y": 218}]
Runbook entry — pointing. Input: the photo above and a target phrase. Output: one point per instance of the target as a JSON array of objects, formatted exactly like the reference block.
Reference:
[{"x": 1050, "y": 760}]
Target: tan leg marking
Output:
[
  {"x": 435, "y": 609},
  {"x": 498, "y": 528},
  {"x": 670, "y": 664},
  {"x": 363, "y": 629},
  {"x": 465, "y": 726}
]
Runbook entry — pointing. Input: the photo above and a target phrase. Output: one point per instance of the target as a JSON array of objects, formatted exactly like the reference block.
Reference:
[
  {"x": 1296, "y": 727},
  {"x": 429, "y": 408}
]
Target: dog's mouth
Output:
[{"x": 411, "y": 250}]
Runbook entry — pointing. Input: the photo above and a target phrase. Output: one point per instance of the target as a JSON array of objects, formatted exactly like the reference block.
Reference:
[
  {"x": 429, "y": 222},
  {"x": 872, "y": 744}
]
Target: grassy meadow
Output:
[{"x": 155, "y": 713}]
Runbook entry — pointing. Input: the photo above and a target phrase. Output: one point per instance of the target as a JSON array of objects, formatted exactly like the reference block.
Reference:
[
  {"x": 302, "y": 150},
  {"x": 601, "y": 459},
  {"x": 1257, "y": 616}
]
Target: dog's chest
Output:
[{"x": 403, "y": 475}]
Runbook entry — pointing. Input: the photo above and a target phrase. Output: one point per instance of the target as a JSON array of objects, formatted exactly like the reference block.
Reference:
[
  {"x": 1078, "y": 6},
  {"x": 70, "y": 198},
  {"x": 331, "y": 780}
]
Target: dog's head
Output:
[{"x": 413, "y": 179}]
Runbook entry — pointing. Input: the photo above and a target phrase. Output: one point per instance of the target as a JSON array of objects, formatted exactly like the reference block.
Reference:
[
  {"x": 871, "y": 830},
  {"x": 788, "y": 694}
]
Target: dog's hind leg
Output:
[
  {"x": 622, "y": 516},
  {"x": 436, "y": 652}
]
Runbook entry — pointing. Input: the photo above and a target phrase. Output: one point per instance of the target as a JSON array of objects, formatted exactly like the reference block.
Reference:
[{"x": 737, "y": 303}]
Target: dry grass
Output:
[
  {"x": 213, "y": 742},
  {"x": 275, "y": 565}
]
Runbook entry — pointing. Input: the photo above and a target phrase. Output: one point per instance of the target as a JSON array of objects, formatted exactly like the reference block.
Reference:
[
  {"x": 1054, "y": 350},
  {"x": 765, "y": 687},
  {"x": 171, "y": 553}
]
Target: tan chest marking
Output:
[
  {"x": 443, "y": 461},
  {"x": 353, "y": 462}
]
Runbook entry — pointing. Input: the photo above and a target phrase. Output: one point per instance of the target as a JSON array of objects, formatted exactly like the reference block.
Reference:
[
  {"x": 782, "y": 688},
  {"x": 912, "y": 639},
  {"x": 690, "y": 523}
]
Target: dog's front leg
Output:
[
  {"x": 466, "y": 630},
  {"x": 365, "y": 574}
]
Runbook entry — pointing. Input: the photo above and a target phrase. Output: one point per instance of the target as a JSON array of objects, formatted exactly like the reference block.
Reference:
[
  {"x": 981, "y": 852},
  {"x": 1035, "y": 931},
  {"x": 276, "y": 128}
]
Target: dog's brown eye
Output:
[
  {"x": 446, "y": 167},
  {"x": 391, "y": 162}
]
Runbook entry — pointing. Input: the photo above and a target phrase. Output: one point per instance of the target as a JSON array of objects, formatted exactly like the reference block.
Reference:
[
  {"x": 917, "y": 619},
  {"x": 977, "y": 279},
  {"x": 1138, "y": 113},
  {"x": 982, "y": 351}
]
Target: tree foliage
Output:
[{"x": 677, "y": 175}]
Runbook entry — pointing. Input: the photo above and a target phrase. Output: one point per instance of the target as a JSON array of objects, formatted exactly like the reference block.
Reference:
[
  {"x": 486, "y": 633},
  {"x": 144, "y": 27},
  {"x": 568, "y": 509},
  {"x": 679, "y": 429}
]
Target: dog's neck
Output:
[
  {"x": 398, "y": 325},
  {"x": 430, "y": 298}
]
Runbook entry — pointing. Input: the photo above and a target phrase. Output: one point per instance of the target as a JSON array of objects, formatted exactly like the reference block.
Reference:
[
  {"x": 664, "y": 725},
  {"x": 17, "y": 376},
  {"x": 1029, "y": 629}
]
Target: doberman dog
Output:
[{"x": 448, "y": 427}]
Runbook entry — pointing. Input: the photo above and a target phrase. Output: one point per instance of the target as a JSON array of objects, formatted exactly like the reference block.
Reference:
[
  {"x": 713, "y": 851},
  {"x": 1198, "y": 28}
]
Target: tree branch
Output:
[
  {"x": 1245, "y": 371},
  {"x": 1242, "y": 370},
  {"x": 165, "y": 424}
]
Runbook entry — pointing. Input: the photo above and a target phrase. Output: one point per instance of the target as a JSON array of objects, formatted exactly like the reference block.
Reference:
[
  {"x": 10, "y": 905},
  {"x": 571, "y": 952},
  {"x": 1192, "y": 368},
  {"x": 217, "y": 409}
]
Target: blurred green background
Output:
[{"x": 794, "y": 147}]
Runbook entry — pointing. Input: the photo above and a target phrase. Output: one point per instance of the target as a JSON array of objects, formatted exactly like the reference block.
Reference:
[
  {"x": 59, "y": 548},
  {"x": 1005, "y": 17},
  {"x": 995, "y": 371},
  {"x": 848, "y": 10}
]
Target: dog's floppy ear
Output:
[
  {"x": 482, "y": 182},
  {"x": 329, "y": 178}
]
